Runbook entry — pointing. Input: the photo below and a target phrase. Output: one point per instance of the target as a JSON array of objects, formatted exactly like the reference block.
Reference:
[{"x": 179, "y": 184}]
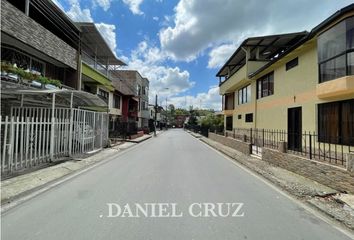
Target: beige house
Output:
[{"x": 295, "y": 82}]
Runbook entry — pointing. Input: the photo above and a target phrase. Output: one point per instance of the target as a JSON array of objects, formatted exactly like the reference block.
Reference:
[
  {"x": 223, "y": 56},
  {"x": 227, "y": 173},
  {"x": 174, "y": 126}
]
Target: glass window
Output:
[
  {"x": 334, "y": 51},
  {"x": 332, "y": 42},
  {"x": 350, "y": 63},
  {"x": 333, "y": 69},
  {"x": 265, "y": 85},
  {"x": 244, "y": 95},
  {"x": 249, "y": 93},
  {"x": 350, "y": 33},
  {"x": 291, "y": 64},
  {"x": 249, "y": 117},
  {"x": 336, "y": 122}
]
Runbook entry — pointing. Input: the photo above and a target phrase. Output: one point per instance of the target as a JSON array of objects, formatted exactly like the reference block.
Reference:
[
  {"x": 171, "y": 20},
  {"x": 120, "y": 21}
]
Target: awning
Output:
[
  {"x": 267, "y": 47},
  {"x": 81, "y": 99},
  {"x": 93, "y": 41}
]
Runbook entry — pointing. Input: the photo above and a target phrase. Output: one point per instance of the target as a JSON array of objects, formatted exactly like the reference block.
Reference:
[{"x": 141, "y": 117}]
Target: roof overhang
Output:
[
  {"x": 268, "y": 47},
  {"x": 81, "y": 99},
  {"x": 94, "y": 43}
]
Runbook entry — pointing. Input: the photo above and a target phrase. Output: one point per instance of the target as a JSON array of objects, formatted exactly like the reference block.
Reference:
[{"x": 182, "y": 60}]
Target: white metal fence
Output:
[{"x": 27, "y": 138}]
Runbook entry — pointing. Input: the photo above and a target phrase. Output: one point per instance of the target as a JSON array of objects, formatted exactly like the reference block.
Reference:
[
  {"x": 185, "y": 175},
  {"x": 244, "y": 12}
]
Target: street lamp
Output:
[{"x": 155, "y": 120}]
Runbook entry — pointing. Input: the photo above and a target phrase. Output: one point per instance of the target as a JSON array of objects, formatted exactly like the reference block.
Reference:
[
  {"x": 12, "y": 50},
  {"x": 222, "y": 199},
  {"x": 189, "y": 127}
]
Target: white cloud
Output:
[
  {"x": 134, "y": 6},
  {"x": 104, "y": 4},
  {"x": 155, "y": 18},
  {"x": 200, "y": 24},
  {"x": 206, "y": 100},
  {"x": 149, "y": 61},
  {"x": 108, "y": 33},
  {"x": 77, "y": 14},
  {"x": 219, "y": 55}
]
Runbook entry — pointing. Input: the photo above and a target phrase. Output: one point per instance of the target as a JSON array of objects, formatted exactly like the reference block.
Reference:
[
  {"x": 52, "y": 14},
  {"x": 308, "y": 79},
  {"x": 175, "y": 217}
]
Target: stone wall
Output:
[
  {"x": 16, "y": 24},
  {"x": 331, "y": 176},
  {"x": 243, "y": 147}
]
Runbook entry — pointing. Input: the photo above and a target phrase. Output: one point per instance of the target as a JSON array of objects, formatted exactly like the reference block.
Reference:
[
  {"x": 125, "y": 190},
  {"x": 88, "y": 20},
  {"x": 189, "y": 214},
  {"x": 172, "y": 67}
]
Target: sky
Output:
[{"x": 180, "y": 45}]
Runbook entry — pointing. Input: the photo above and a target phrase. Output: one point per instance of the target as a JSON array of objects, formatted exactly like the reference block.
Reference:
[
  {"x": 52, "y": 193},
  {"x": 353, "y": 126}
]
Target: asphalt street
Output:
[{"x": 179, "y": 171}]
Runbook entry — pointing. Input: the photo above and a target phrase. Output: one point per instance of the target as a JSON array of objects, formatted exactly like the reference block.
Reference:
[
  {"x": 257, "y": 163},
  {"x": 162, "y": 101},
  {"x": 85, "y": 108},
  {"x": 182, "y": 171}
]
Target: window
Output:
[
  {"x": 229, "y": 101},
  {"x": 291, "y": 64},
  {"x": 103, "y": 94},
  {"x": 265, "y": 85},
  {"x": 116, "y": 101},
  {"x": 336, "y": 122},
  {"x": 239, "y": 116},
  {"x": 244, "y": 95},
  {"x": 229, "y": 123},
  {"x": 335, "y": 51},
  {"x": 249, "y": 117}
]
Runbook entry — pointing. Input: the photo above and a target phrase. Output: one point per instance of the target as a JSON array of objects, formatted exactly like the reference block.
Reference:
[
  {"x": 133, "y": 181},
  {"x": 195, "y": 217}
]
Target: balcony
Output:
[
  {"x": 338, "y": 88},
  {"x": 236, "y": 80},
  {"x": 20, "y": 28}
]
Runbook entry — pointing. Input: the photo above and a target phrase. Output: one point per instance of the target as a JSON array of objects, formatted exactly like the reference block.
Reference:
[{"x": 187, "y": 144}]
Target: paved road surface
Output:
[{"x": 172, "y": 168}]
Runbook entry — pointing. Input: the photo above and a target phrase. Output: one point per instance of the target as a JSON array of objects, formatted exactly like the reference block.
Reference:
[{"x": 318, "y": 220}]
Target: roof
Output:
[
  {"x": 315, "y": 31},
  {"x": 94, "y": 43},
  {"x": 269, "y": 46},
  {"x": 81, "y": 99}
]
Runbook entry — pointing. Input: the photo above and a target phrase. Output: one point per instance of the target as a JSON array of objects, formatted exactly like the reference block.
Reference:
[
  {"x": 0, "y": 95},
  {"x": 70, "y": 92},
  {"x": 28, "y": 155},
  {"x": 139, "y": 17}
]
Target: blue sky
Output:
[{"x": 181, "y": 44}]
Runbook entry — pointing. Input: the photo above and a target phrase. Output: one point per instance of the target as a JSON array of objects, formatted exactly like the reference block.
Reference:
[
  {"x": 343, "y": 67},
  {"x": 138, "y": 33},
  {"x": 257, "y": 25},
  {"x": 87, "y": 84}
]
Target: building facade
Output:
[
  {"x": 295, "y": 82},
  {"x": 31, "y": 38}
]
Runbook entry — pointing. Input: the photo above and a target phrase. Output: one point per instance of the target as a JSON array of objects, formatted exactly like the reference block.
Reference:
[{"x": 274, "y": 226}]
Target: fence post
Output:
[
  {"x": 251, "y": 135},
  {"x": 101, "y": 130},
  {"x": 263, "y": 137},
  {"x": 71, "y": 124},
  {"x": 11, "y": 152},
  {"x": 83, "y": 133},
  {"x": 310, "y": 143},
  {"x": 52, "y": 129}
]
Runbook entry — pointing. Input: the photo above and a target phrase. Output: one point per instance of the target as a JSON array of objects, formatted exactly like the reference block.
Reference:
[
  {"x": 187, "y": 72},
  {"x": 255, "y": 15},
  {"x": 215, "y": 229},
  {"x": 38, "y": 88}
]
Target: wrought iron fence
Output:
[{"x": 307, "y": 144}]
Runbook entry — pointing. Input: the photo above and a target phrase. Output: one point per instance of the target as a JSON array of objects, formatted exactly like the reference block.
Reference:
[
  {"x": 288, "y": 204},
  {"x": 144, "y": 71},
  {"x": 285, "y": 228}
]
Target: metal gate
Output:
[{"x": 31, "y": 136}]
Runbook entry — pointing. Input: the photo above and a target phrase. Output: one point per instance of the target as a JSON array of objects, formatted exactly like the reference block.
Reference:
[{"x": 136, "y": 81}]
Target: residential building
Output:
[
  {"x": 295, "y": 82},
  {"x": 37, "y": 36},
  {"x": 96, "y": 62},
  {"x": 139, "y": 86}
]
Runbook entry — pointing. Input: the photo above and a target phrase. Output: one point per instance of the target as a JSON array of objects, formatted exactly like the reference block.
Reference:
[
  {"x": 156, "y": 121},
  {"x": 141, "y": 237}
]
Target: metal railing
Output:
[
  {"x": 333, "y": 150},
  {"x": 32, "y": 136}
]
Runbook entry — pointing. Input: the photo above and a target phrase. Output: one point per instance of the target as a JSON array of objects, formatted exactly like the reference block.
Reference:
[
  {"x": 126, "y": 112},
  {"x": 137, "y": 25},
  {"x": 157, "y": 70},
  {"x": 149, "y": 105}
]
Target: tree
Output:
[{"x": 213, "y": 122}]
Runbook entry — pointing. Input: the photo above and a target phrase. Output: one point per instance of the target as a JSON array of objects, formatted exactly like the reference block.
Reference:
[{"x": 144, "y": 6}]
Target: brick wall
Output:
[
  {"x": 243, "y": 147},
  {"x": 331, "y": 176},
  {"x": 16, "y": 24}
]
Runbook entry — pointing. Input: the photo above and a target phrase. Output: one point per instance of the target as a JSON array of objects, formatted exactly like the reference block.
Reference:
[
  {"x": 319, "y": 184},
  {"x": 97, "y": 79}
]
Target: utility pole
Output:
[{"x": 155, "y": 115}]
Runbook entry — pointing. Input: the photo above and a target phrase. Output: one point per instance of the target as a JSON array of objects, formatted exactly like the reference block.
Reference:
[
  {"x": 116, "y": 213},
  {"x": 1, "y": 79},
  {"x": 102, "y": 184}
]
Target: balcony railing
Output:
[{"x": 99, "y": 67}]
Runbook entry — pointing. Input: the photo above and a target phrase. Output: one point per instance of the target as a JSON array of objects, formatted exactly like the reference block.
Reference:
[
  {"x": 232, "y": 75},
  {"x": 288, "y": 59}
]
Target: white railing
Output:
[{"x": 31, "y": 137}]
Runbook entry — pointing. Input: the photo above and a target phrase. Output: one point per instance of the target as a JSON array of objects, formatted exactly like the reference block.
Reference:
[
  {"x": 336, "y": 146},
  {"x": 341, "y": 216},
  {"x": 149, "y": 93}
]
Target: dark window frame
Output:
[
  {"x": 116, "y": 104},
  {"x": 345, "y": 53},
  {"x": 292, "y": 63},
  {"x": 244, "y": 96},
  {"x": 331, "y": 120},
  {"x": 249, "y": 117},
  {"x": 267, "y": 80}
]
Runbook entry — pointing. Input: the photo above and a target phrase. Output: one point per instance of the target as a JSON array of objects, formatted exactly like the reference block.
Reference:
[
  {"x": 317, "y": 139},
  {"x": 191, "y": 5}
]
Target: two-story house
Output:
[{"x": 295, "y": 82}]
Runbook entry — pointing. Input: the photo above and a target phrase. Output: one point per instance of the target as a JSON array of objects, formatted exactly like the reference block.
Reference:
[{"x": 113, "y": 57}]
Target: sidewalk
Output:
[
  {"x": 22, "y": 185},
  {"x": 337, "y": 205}
]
